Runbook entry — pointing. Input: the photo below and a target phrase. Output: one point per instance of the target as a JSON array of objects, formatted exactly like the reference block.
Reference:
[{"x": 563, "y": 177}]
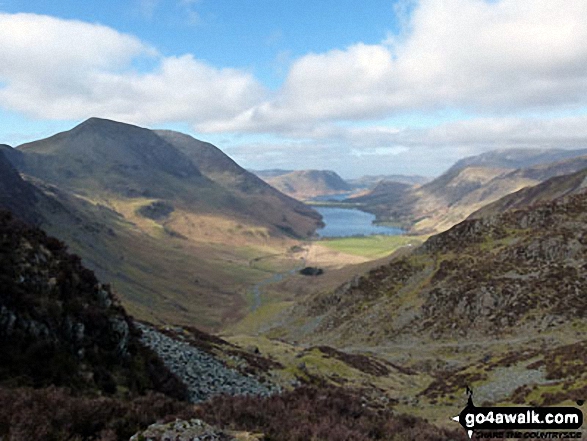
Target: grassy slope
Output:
[
  {"x": 273, "y": 317},
  {"x": 166, "y": 271}
]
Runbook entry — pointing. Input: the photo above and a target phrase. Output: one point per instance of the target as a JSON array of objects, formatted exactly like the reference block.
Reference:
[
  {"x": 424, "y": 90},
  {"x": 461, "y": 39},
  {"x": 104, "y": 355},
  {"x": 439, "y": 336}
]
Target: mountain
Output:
[
  {"x": 306, "y": 184},
  {"x": 370, "y": 181},
  {"x": 517, "y": 158},
  {"x": 383, "y": 194},
  {"x": 522, "y": 269},
  {"x": 452, "y": 197},
  {"x": 503, "y": 185},
  {"x": 105, "y": 156},
  {"x": 76, "y": 366},
  {"x": 271, "y": 173},
  {"x": 177, "y": 242},
  {"x": 419, "y": 208},
  {"x": 111, "y": 159},
  {"x": 495, "y": 303}
]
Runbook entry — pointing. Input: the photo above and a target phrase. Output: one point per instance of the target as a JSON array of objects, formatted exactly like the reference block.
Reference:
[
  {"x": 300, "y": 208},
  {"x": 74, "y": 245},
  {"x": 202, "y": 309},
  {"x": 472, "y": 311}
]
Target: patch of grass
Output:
[
  {"x": 253, "y": 322},
  {"x": 373, "y": 247}
]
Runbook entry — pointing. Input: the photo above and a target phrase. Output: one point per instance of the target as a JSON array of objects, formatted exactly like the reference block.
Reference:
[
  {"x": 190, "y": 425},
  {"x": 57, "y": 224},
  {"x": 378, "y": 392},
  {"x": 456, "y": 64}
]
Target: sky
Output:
[{"x": 361, "y": 88}]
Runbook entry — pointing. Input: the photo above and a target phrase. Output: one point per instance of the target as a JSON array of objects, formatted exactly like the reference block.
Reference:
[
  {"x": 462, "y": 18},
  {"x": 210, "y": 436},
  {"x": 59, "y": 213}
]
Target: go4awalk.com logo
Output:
[{"x": 520, "y": 422}]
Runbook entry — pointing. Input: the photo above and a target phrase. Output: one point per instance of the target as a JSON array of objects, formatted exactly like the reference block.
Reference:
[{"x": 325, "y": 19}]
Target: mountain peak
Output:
[
  {"x": 109, "y": 155},
  {"x": 103, "y": 125}
]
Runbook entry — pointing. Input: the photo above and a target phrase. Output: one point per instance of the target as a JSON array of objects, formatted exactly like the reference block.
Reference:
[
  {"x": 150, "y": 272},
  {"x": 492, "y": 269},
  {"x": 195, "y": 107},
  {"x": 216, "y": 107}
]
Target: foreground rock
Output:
[
  {"x": 203, "y": 374},
  {"x": 192, "y": 430}
]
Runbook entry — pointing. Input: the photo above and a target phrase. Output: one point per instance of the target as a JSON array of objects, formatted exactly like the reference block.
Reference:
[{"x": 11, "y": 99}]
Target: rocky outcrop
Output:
[
  {"x": 60, "y": 326},
  {"x": 204, "y": 375}
]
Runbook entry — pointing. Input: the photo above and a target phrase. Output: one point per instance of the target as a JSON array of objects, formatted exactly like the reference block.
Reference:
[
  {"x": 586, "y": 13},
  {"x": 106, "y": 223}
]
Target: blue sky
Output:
[{"x": 368, "y": 87}]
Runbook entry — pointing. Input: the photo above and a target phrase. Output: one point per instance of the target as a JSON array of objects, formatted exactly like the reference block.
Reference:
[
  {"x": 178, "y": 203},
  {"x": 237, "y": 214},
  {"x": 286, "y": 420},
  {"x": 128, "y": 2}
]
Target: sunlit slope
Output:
[{"x": 261, "y": 200}]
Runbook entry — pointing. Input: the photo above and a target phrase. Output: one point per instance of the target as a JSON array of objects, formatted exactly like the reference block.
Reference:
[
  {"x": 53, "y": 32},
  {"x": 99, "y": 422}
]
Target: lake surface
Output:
[{"x": 344, "y": 222}]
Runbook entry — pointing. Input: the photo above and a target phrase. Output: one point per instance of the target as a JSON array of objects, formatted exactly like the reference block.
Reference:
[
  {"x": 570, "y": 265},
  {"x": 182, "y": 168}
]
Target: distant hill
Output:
[
  {"x": 517, "y": 158},
  {"x": 384, "y": 193},
  {"x": 306, "y": 184},
  {"x": 271, "y": 173},
  {"x": 371, "y": 181},
  {"x": 408, "y": 205},
  {"x": 453, "y": 196}
]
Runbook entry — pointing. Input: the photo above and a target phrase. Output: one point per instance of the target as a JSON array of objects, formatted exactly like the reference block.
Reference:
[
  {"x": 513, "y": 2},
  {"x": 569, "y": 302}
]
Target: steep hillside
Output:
[
  {"x": 60, "y": 326},
  {"x": 115, "y": 163},
  {"x": 500, "y": 186},
  {"x": 408, "y": 206},
  {"x": 306, "y": 184},
  {"x": 16, "y": 194},
  {"x": 261, "y": 200},
  {"x": 76, "y": 366},
  {"x": 102, "y": 156}
]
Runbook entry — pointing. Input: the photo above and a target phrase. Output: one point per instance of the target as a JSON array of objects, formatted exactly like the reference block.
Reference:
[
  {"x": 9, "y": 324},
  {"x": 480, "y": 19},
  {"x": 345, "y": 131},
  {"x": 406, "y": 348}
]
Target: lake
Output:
[{"x": 344, "y": 222}]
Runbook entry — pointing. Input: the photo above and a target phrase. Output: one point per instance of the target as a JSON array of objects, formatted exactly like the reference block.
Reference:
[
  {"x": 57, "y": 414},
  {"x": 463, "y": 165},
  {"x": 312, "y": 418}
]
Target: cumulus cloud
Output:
[
  {"x": 66, "y": 69},
  {"x": 488, "y": 57}
]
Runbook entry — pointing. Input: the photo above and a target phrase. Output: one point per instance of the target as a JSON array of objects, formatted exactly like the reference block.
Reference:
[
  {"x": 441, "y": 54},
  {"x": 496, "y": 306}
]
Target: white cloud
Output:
[
  {"x": 66, "y": 69},
  {"x": 487, "y": 57}
]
